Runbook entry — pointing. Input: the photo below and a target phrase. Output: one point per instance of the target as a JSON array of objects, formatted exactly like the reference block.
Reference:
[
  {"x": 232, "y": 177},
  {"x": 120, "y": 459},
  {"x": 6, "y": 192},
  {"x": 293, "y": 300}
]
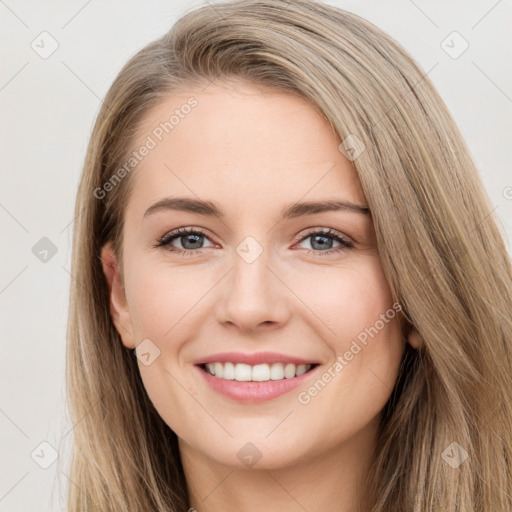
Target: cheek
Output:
[
  {"x": 345, "y": 300},
  {"x": 364, "y": 339},
  {"x": 358, "y": 381},
  {"x": 162, "y": 300}
]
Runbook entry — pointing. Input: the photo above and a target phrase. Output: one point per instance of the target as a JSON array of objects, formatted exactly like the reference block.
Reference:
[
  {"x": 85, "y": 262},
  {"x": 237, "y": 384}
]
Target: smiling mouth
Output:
[{"x": 241, "y": 372}]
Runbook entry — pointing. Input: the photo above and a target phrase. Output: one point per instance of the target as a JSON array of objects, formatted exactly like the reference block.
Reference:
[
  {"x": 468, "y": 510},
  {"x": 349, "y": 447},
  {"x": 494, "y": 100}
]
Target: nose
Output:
[{"x": 254, "y": 296}]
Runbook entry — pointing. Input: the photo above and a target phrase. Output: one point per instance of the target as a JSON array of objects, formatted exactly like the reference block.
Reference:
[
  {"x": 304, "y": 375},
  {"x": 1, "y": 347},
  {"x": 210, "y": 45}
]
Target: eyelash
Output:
[{"x": 169, "y": 237}]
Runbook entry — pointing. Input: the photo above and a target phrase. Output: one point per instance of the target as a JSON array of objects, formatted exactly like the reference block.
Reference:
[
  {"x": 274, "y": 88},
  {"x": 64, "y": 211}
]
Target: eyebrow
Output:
[{"x": 292, "y": 211}]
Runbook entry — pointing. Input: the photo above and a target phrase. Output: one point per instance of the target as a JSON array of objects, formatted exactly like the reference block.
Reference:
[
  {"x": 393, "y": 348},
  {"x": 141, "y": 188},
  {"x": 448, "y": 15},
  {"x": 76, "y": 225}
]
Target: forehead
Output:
[{"x": 240, "y": 143}]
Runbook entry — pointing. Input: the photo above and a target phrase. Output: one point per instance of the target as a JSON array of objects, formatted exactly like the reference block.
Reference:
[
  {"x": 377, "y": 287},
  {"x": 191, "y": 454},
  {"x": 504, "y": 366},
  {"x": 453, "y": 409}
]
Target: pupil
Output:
[
  {"x": 321, "y": 246},
  {"x": 196, "y": 244}
]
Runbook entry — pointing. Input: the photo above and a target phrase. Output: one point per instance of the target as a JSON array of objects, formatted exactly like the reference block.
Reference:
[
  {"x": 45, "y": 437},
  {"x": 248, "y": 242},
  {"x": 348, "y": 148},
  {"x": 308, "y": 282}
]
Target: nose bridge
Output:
[
  {"x": 250, "y": 250},
  {"x": 254, "y": 294},
  {"x": 250, "y": 272}
]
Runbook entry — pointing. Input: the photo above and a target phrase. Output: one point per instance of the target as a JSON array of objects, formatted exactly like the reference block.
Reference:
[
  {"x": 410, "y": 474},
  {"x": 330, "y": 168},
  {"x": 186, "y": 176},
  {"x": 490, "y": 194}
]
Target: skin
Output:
[{"x": 253, "y": 151}]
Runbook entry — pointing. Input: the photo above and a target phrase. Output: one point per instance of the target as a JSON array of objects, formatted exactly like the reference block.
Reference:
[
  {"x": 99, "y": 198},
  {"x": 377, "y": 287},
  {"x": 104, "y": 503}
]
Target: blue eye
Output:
[
  {"x": 192, "y": 239},
  {"x": 320, "y": 239}
]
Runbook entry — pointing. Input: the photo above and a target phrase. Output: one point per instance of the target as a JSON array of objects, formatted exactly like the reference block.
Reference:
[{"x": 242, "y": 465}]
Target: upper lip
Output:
[{"x": 253, "y": 359}]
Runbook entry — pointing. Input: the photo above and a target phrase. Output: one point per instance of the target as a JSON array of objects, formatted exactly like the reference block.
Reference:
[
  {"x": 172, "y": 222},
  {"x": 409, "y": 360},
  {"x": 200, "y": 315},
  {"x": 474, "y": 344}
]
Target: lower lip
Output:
[{"x": 254, "y": 392}]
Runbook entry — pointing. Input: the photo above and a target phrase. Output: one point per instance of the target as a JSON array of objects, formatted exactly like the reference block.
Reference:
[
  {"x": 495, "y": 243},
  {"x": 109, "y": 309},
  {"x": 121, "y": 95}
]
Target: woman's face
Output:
[{"x": 263, "y": 286}]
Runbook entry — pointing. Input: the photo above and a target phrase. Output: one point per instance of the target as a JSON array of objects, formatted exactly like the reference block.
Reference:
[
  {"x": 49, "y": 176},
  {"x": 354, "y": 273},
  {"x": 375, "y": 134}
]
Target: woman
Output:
[{"x": 292, "y": 293}]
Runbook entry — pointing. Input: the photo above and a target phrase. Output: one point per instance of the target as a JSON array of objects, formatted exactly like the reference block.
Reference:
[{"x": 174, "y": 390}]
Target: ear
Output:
[
  {"x": 118, "y": 304},
  {"x": 412, "y": 336},
  {"x": 414, "y": 339}
]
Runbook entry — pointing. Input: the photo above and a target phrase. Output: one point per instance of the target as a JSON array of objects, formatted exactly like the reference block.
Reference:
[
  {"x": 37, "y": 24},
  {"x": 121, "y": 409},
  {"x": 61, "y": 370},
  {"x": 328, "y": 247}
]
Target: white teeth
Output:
[
  {"x": 277, "y": 371},
  {"x": 218, "y": 369},
  {"x": 289, "y": 371},
  {"x": 242, "y": 372},
  {"x": 257, "y": 373},
  {"x": 228, "y": 372},
  {"x": 300, "y": 369},
  {"x": 260, "y": 372}
]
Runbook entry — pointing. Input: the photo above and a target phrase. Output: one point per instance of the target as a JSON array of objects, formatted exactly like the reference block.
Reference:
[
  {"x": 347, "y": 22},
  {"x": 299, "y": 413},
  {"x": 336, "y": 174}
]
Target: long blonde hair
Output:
[{"x": 438, "y": 239}]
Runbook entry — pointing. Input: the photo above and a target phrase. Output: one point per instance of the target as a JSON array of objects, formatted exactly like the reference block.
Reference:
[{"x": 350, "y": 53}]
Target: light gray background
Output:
[{"x": 48, "y": 107}]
